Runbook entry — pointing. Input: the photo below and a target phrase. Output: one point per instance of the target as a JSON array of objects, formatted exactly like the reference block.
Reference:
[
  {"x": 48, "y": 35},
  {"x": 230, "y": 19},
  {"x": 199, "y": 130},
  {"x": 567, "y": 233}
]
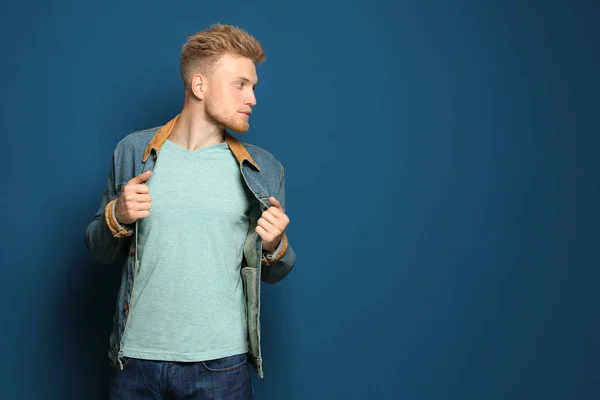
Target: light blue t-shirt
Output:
[{"x": 188, "y": 299}]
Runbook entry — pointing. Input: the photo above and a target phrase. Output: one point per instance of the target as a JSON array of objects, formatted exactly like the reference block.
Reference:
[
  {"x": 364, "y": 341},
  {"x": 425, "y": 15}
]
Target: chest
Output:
[{"x": 193, "y": 187}]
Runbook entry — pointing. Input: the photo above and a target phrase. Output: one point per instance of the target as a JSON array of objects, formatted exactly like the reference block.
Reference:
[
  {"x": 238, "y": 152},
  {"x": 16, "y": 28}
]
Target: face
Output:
[{"x": 229, "y": 93}]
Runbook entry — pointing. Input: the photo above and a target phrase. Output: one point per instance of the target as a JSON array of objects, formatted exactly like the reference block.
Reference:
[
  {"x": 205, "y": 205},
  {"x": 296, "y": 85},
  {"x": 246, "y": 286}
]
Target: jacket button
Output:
[
  {"x": 125, "y": 306},
  {"x": 132, "y": 251}
]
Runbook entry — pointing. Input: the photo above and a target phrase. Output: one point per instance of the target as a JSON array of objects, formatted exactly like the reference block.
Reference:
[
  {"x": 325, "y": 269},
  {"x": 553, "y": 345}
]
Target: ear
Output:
[{"x": 198, "y": 86}]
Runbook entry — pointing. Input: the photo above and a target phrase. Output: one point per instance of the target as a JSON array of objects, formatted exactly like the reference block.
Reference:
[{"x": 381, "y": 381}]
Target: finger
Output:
[
  {"x": 142, "y": 214},
  {"x": 266, "y": 225},
  {"x": 143, "y": 206},
  {"x": 141, "y": 178},
  {"x": 271, "y": 216},
  {"x": 261, "y": 232},
  {"x": 265, "y": 235},
  {"x": 276, "y": 217},
  {"x": 275, "y": 203},
  {"x": 276, "y": 212},
  {"x": 140, "y": 198},
  {"x": 136, "y": 188}
]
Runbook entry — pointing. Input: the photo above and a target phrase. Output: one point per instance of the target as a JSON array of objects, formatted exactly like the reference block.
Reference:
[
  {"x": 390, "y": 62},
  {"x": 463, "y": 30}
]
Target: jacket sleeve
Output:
[
  {"x": 276, "y": 266},
  {"x": 102, "y": 243}
]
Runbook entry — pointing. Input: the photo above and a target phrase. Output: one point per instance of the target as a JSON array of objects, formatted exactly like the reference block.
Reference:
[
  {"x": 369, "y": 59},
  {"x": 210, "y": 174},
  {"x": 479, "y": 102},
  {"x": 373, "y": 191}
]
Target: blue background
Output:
[{"x": 441, "y": 163}]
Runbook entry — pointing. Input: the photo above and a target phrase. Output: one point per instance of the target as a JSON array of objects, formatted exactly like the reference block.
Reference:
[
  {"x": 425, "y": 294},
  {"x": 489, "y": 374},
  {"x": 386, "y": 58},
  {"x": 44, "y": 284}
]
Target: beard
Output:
[{"x": 234, "y": 122}]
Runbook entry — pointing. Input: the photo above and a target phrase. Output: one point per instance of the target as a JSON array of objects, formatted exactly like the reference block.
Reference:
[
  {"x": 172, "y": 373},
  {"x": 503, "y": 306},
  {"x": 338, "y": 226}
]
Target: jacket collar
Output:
[{"x": 159, "y": 138}]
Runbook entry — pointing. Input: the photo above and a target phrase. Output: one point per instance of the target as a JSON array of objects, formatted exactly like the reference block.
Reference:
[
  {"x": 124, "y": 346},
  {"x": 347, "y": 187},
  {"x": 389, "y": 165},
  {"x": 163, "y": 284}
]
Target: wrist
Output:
[
  {"x": 118, "y": 229},
  {"x": 270, "y": 248},
  {"x": 277, "y": 253}
]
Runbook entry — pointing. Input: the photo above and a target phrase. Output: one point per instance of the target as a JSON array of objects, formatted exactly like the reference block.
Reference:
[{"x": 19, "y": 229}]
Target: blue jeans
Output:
[{"x": 224, "y": 378}]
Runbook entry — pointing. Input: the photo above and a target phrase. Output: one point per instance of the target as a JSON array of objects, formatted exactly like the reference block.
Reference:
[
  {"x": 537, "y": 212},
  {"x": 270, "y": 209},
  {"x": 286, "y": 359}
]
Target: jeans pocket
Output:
[{"x": 226, "y": 364}]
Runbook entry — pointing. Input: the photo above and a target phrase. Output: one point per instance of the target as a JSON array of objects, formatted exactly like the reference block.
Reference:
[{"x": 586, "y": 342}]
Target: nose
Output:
[{"x": 251, "y": 100}]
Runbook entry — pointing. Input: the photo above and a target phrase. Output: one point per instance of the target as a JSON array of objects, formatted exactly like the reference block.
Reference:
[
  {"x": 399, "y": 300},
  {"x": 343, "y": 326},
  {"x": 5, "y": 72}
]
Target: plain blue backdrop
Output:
[{"x": 441, "y": 175}]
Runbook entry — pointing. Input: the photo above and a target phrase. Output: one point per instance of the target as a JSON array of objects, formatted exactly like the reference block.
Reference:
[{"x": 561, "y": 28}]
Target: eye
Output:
[{"x": 239, "y": 84}]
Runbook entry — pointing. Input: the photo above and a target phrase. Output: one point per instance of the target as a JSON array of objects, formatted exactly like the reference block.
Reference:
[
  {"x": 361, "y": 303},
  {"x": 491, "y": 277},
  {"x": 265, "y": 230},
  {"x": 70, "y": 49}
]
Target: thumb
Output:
[
  {"x": 275, "y": 203},
  {"x": 141, "y": 178}
]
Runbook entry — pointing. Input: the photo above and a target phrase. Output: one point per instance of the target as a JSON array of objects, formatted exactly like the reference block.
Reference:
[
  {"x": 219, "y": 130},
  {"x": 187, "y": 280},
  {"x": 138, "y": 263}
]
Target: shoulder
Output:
[
  {"x": 262, "y": 157},
  {"x": 136, "y": 140}
]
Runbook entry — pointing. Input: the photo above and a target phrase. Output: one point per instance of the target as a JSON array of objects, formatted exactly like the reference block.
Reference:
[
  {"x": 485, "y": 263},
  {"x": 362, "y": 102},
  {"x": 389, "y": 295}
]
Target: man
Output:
[{"x": 197, "y": 220}]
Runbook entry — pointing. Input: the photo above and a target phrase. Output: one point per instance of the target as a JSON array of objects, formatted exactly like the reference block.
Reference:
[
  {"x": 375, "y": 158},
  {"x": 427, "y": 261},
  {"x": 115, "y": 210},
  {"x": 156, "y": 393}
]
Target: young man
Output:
[{"x": 196, "y": 218}]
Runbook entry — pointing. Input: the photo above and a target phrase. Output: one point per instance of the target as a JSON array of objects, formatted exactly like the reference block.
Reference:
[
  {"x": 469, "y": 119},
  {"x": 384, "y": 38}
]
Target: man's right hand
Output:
[{"x": 134, "y": 202}]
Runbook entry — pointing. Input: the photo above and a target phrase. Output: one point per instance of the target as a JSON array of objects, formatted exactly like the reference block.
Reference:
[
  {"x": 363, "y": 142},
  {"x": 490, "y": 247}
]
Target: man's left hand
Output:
[{"x": 271, "y": 225}]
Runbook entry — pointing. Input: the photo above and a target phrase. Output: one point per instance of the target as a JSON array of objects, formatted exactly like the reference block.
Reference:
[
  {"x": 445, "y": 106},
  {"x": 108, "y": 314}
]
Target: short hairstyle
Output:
[{"x": 203, "y": 49}]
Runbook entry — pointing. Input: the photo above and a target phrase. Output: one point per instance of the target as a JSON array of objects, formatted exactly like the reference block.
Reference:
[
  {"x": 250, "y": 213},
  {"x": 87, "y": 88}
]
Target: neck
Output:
[{"x": 193, "y": 130}]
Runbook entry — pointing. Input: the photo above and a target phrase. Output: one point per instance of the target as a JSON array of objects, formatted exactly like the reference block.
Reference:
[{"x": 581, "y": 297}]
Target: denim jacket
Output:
[{"x": 112, "y": 243}]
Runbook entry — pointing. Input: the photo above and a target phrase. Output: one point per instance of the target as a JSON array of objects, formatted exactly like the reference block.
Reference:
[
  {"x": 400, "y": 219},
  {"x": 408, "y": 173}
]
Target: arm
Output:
[
  {"x": 276, "y": 265},
  {"x": 280, "y": 264},
  {"x": 106, "y": 240}
]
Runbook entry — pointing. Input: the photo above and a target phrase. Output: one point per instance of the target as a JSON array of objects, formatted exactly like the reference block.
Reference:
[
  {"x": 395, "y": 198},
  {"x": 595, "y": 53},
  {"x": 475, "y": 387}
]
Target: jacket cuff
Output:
[
  {"x": 278, "y": 253},
  {"x": 117, "y": 229}
]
